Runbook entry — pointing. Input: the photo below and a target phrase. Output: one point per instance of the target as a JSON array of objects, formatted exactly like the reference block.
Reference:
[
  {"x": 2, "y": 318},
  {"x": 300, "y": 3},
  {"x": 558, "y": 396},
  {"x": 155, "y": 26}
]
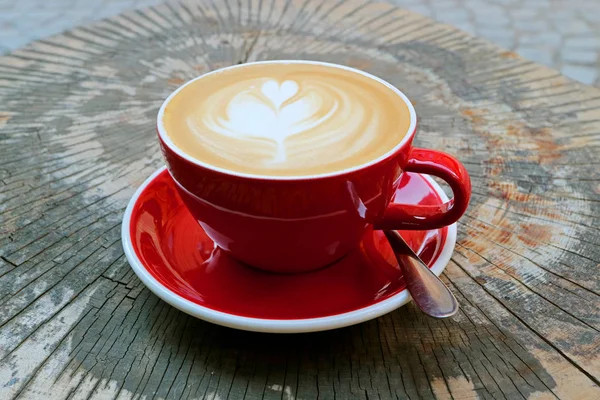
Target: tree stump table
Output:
[{"x": 77, "y": 137}]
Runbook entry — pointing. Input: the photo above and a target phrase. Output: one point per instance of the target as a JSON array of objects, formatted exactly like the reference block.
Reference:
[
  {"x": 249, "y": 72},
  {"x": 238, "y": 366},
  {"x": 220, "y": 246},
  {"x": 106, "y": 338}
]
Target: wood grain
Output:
[{"x": 77, "y": 137}]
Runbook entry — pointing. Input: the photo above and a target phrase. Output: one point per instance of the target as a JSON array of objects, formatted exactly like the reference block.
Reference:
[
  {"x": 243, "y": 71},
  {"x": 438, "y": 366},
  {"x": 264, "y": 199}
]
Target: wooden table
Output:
[{"x": 77, "y": 137}]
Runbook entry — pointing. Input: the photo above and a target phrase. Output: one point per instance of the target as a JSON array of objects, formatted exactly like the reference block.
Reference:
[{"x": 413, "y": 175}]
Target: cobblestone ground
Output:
[{"x": 563, "y": 34}]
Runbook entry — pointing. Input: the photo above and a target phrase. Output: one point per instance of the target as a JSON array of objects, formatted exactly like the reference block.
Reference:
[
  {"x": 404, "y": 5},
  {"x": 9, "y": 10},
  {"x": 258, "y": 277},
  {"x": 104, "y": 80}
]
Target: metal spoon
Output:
[{"x": 429, "y": 293}]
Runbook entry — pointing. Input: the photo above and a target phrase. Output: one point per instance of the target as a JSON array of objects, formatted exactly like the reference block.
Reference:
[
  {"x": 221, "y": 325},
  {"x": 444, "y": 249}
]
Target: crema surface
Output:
[{"x": 286, "y": 119}]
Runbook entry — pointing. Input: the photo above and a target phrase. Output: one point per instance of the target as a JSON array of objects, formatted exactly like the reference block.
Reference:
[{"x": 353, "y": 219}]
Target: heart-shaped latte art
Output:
[
  {"x": 279, "y": 94},
  {"x": 269, "y": 114},
  {"x": 292, "y": 119}
]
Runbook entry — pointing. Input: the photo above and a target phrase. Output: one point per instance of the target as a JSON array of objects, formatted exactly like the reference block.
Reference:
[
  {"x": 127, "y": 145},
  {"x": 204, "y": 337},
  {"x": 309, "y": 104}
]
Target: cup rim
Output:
[{"x": 407, "y": 138}]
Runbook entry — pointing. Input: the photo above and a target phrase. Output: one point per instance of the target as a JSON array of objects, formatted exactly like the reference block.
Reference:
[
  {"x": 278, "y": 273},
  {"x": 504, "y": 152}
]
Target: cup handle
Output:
[{"x": 423, "y": 217}]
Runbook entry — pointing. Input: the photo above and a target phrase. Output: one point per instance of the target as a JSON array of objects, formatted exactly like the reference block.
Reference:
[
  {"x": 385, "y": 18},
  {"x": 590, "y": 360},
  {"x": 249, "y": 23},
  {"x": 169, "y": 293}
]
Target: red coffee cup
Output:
[{"x": 296, "y": 224}]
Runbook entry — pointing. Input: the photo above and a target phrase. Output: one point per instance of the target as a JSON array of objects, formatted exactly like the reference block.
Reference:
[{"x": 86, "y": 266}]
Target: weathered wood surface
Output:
[{"x": 77, "y": 137}]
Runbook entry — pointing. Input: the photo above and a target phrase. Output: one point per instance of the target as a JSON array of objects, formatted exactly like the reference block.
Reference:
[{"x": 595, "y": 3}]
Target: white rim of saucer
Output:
[
  {"x": 408, "y": 136},
  {"x": 273, "y": 325}
]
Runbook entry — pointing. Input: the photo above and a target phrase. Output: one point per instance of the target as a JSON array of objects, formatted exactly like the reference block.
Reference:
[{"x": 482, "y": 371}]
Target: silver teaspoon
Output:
[{"x": 429, "y": 293}]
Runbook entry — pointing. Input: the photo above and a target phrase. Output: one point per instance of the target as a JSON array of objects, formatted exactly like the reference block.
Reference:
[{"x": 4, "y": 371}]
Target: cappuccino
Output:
[{"x": 286, "y": 119}]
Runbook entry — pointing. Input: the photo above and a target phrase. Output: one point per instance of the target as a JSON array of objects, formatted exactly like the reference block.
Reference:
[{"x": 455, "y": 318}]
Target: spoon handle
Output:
[{"x": 428, "y": 292}]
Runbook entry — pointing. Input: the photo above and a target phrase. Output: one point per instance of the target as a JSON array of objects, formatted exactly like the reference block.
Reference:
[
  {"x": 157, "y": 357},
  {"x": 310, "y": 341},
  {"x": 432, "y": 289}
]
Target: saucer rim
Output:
[{"x": 273, "y": 325}]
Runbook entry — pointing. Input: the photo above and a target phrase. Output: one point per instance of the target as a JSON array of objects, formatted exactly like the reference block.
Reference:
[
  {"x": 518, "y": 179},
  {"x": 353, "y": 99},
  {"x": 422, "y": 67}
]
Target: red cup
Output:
[{"x": 297, "y": 224}]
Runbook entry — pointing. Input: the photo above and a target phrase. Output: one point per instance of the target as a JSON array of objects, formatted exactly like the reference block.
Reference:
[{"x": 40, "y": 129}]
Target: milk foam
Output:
[{"x": 287, "y": 123}]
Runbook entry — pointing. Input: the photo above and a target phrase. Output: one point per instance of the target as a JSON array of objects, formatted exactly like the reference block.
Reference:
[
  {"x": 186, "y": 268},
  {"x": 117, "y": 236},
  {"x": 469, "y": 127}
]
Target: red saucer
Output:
[{"x": 173, "y": 256}]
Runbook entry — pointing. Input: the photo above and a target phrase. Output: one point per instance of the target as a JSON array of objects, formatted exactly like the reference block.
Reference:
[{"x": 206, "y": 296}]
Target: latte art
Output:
[
  {"x": 265, "y": 111},
  {"x": 277, "y": 112},
  {"x": 286, "y": 119}
]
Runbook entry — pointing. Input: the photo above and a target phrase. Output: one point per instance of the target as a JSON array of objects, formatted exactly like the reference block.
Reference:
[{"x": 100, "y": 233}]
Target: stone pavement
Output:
[{"x": 562, "y": 34}]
